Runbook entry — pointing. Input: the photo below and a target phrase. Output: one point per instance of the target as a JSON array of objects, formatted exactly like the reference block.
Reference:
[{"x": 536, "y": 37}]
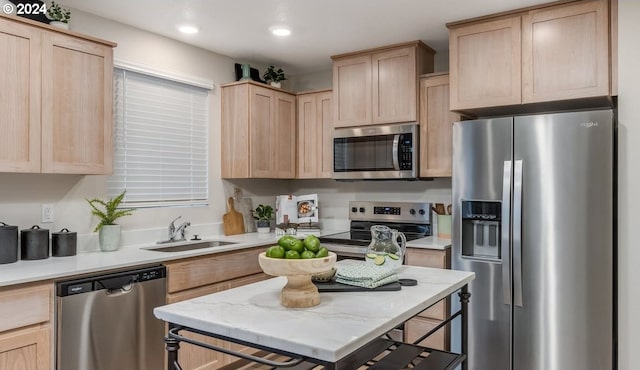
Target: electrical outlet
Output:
[{"x": 47, "y": 213}]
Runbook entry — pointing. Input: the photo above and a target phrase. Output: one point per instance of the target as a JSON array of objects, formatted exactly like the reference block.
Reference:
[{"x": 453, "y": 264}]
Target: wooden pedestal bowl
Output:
[{"x": 299, "y": 291}]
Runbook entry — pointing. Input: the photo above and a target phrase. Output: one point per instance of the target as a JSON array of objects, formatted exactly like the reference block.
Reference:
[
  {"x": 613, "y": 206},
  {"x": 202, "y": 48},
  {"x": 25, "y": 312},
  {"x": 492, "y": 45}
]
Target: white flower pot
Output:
[
  {"x": 59, "y": 24},
  {"x": 276, "y": 84},
  {"x": 109, "y": 236},
  {"x": 264, "y": 226}
]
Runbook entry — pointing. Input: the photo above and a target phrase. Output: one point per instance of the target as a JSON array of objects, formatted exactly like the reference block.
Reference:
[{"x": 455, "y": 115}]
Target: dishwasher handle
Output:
[{"x": 114, "y": 281}]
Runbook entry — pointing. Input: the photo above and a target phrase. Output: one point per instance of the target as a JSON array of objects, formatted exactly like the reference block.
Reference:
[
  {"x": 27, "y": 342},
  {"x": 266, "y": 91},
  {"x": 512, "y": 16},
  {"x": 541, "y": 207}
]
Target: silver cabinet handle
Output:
[
  {"x": 396, "y": 144},
  {"x": 505, "y": 232},
  {"x": 517, "y": 233}
]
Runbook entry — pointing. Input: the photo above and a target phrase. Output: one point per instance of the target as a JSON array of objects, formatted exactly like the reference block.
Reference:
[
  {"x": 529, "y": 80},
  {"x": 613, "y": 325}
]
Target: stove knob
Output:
[
  {"x": 412, "y": 211},
  {"x": 361, "y": 209},
  {"x": 421, "y": 212},
  {"x": 354, "y": 209}
]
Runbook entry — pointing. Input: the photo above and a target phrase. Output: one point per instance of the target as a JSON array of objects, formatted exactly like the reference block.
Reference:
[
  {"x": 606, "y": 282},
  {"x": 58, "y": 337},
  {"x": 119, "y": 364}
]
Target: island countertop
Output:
[{"x": 342, "y": 322}]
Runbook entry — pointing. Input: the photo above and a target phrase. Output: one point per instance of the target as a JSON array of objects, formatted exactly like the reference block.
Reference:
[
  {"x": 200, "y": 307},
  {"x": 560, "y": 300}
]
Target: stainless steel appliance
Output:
[
  {"x": 533, "y": 217},
  {"x": 382, "y": 152},
  {"x": 411, "y": 218},
  {"x": 106, "y": 322}
]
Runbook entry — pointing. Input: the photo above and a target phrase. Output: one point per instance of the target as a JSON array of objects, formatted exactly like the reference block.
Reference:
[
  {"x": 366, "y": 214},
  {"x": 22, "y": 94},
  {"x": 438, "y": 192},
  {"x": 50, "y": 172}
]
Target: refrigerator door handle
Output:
[
  {"x": 505, "y": 230},
  {"x": 517, "y": 233}
]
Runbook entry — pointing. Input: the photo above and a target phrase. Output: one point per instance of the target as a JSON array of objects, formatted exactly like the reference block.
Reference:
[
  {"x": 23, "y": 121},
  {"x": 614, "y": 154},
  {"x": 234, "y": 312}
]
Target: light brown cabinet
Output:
[
  {"x": 25, "y": 339},
  {"x": 258, "y": 132},
  {"x": 552, "y": 53},
  {"x": 59, "y": 114},
  {"x": 436, "y": 124},
  {"x": 198, "y": 276},
  {"x": 379, "y": 85},
  {"x": 430, "y": 318},
  {"x": 315, "y": 147}
]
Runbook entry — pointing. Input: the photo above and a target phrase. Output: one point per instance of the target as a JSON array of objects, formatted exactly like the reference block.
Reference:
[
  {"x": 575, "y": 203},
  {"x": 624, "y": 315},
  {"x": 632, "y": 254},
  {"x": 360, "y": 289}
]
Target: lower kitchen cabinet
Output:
[
  {"x": 199, "y": 276},
  {"x": 430, "y": 318},
  {"x": 25, "y": 338}
]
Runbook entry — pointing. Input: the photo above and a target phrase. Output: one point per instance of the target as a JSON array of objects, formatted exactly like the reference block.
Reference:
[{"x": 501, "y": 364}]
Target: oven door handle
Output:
[{"x": 396, "y": 150}]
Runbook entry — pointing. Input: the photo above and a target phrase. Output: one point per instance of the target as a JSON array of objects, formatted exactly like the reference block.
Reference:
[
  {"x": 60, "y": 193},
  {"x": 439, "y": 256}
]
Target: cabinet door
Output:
[
  {"x": 77, "y": 102},
  {"x": 234, "y": 132},
  {"x": 394, "y": 85},
  {"x": 28, "y": 349},
  {"x": 436, "y": 124},
  {"x": 284, "y": 129},
  {"x": 566, "y": 52},
  {"x": 418, "y": 326},
  {"x": 20, "y": 101},
  {"x": 352, "y": 91},
  {"x": 485, "y": 64},
  {"x": 325, "y": 131},
  {"x": 308, "y": 142},
  {"x": 262, "y": 136}
]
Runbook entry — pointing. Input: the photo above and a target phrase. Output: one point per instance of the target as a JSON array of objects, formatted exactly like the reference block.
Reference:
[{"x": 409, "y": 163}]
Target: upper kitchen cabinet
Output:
[
  {"x": 258, "y": 132},
  {"x": 436, "y": 125},
  {"x": 315, "y": 157},
  {"x": 534, "y": 55},
  {"x": 58, "y": 116},
  {"x": 379, "y": 85}
]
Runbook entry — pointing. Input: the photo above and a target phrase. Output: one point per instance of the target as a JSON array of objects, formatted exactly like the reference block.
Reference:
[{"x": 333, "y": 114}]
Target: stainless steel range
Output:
[{"x": 412, "y": 219}]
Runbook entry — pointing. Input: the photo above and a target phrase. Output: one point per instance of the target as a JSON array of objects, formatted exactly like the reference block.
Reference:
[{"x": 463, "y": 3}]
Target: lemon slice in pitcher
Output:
[{"x": 379, "y": 260}]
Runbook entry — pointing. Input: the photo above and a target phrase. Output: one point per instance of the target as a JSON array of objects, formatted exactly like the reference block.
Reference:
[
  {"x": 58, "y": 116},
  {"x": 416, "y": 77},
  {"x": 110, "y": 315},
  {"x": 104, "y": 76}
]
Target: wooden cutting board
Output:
[{"x": 232, "y": 221}]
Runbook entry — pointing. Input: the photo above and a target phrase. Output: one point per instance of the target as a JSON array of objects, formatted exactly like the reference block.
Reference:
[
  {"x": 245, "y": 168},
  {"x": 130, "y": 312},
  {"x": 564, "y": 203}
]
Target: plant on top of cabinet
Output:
[
  {"x": 58, "y": 15},
  {"x": 274, "y": 76}
]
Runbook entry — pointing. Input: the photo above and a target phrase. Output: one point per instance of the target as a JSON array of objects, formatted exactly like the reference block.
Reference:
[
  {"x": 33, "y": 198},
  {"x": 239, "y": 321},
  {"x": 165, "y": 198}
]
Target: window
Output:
[{"x": 160, "y": 141}]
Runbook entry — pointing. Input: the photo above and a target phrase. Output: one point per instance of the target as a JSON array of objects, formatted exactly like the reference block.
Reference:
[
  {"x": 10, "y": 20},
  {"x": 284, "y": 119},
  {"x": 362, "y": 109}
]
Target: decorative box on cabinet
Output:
[
  {"x": 25, "y": 338},
  {"x": 430, "y": 318},
  {"x": 58, "y": 118},
  {"x": 315, "y": 147},
  {"x": 198, "y": 276},
  {"x": 549, "y": 53},
  {"x": 258, "y": 132},
  {"x": 436, "y": 124},
  {"x": 379, "y": 85}
]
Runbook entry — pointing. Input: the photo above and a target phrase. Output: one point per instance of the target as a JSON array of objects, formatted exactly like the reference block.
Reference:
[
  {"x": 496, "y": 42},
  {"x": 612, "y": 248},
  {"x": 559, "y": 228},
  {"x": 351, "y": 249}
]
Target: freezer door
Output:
[
  {"x": 482, "y": 154},
  {"x": 563, "y": 262}
]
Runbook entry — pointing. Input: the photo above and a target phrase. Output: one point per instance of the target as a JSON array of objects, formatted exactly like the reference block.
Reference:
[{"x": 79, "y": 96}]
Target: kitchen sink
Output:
[{"x": 189, "y": 246}]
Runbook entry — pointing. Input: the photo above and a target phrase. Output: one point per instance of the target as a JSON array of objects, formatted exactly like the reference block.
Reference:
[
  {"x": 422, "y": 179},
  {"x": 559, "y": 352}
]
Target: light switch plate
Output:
[{"x": 47, "y": 213}]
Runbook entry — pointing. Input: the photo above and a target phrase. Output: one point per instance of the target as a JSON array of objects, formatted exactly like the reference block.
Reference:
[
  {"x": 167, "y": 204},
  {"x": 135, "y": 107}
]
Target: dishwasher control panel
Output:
[{"x": 115, "y": 280}]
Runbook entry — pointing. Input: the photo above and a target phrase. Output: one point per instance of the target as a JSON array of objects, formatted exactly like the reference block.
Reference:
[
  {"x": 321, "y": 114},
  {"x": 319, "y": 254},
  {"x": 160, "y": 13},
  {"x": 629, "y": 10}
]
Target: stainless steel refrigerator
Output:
[{"x": 533, "y": 217}]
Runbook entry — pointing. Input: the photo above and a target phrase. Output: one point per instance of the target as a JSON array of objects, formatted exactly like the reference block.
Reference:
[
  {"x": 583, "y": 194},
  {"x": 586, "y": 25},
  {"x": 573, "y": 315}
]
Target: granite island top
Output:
[
  {"x": 136, "y": 255},
  {"x": 340, "y": 324}
]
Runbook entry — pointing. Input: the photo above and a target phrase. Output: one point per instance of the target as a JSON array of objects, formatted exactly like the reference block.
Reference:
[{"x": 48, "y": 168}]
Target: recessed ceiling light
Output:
[
  {"x": 280, "y": 31},
  {"x": 188, "y": 29}
]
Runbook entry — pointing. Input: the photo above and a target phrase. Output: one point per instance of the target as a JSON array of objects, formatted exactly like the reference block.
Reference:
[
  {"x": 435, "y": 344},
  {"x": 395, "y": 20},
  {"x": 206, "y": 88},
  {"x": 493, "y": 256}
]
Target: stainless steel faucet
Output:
[{"x": 174, "y": 231}]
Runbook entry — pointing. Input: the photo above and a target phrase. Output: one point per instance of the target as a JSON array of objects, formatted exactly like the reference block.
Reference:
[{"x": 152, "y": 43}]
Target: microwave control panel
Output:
[{"x": 405, "y": 152}]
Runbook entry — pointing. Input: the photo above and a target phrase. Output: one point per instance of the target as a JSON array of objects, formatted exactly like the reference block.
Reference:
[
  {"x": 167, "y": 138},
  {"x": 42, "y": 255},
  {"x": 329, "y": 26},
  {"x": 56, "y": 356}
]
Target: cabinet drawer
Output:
[
  {"x": 199, "y": 271},
  {"x": 32, "y": 302},
  {"x": 417, "y": 327},
  {"x": 427, "y": 258}
]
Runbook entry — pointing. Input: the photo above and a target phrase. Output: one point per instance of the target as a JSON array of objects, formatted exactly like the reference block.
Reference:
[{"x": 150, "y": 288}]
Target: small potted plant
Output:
[
  {"x": 58, "y": 15},
  {"x": 263, "y": 213},
  {"x": 274, "y": 77},
  {"x": 109, "y": 231}
]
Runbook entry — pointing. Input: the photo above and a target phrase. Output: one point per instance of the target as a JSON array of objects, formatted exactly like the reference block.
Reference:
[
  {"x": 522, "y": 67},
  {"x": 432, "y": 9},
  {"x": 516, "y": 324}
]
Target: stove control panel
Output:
[{"x": 390, "y": 211}]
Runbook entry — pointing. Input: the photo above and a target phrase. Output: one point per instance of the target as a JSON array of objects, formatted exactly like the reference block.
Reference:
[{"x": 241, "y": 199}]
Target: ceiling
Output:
[{"x": 320, "y": 28}]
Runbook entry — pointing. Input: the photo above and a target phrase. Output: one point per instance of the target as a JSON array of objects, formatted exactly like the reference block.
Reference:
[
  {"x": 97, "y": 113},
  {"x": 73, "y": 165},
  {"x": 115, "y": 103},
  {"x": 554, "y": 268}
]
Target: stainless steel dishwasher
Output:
[{"x": 106, "y": 322}]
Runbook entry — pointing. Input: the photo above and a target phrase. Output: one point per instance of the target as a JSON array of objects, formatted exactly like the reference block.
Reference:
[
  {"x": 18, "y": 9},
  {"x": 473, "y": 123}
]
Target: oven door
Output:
[
  {"x": 345, "y": 251},
  {"x": 376, "y": 152}
]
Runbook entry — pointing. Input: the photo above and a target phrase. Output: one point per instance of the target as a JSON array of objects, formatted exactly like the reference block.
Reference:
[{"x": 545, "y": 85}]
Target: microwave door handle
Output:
[{"x": 396, "y": 150}]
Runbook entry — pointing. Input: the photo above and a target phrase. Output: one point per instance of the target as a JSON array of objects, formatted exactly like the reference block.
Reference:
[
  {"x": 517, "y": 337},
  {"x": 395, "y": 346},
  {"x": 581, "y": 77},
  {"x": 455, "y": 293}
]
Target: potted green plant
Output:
[
  {"x": 58, "y": 15},
  {"x": 108, "y": 213},
  {"x": 263, "y": 213},
  {"x": 274, "y": 76}
]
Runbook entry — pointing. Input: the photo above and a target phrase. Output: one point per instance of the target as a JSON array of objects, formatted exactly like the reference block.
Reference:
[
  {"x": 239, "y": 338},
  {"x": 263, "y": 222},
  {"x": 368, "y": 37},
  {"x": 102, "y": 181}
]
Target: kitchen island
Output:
[{"x": 331, "y": 334}]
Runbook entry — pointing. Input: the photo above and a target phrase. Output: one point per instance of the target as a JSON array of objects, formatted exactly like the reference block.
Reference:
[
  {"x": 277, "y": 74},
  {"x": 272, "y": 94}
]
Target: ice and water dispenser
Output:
[{"x": 481, "y": 229}]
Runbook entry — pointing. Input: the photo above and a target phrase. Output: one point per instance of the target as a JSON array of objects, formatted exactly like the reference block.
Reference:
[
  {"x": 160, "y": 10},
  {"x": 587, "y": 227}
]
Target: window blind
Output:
[{"x": 160, "y": 141}]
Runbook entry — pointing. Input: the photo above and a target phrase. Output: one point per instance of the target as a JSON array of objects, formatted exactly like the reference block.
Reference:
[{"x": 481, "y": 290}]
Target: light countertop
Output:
[
  {"x": 130, "y": 256},
  {"x": 340, "y": 324}
]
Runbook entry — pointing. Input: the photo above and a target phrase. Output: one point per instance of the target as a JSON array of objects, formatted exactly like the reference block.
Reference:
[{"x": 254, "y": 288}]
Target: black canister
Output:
[
  {"x": 8, "y": 243},
  {"x": 34, "y": 243},
  {"x": 63, "y": 243}
]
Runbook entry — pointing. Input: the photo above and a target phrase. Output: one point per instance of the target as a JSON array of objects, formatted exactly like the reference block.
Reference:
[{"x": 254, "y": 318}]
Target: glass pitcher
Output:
[{"x": 384, "y": 249}]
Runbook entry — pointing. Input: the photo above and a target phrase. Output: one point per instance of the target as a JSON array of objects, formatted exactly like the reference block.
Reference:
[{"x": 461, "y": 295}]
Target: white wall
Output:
[{"x": 629, "y": 185}]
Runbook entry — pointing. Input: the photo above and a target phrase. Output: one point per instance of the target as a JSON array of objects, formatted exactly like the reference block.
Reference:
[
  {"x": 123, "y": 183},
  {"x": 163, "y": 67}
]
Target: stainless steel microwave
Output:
[{"x": 382, "y": 152}]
